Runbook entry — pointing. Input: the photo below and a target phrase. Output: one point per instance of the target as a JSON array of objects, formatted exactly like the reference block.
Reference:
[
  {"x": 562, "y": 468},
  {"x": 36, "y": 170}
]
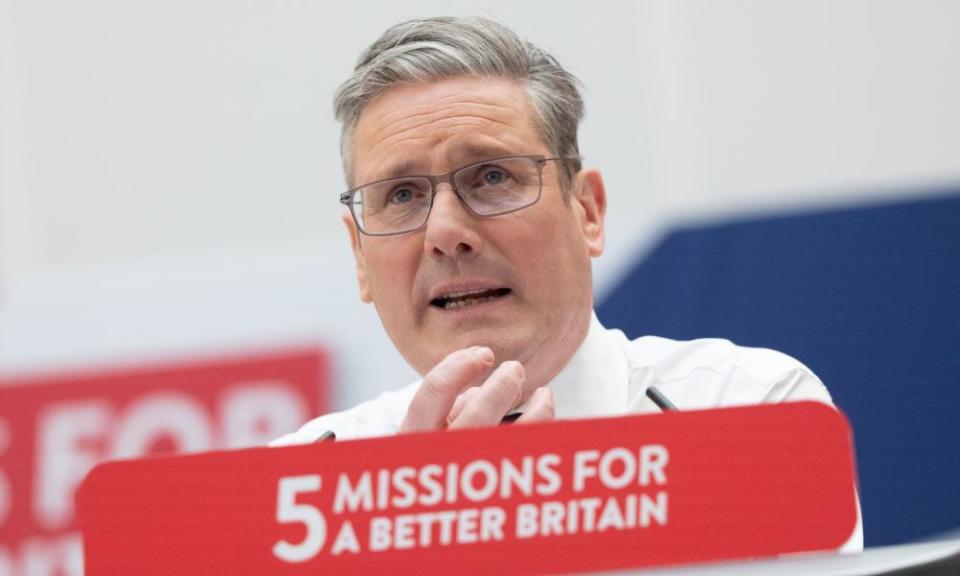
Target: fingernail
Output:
[
  {"x": 513, "y": 366},
  {"x": 483, "y": 353},
  {"x": 540, "y": 392}
]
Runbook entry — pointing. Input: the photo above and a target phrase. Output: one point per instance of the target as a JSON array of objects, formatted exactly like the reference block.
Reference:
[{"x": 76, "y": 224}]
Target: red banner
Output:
[
  {"x": 53, "y": 430},
  {"x": 547, "y": 498}
]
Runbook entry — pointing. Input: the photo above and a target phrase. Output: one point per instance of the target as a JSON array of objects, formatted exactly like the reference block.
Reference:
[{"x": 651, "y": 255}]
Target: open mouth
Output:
[{"x": 455, "y": 300}]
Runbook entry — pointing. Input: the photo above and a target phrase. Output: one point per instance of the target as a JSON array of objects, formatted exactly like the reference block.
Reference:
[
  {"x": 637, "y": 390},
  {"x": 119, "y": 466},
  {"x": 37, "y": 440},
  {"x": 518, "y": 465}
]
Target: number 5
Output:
[{"x": 289, "y": 511}]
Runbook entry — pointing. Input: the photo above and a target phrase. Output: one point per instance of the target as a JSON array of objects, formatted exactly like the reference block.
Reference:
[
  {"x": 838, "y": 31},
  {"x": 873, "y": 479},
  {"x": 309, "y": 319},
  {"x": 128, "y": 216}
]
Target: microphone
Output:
[
  {"x": 328, "y": 436},
  {"x": 660, "y": 400}
]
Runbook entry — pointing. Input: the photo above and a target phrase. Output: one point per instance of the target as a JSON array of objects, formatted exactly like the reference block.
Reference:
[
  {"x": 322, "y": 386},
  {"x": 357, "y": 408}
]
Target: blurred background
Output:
[{"x": 174, "y": 274}]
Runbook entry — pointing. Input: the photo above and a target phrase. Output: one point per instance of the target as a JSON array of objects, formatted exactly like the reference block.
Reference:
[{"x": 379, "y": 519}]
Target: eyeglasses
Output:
[{"x": 488, "y": 188}]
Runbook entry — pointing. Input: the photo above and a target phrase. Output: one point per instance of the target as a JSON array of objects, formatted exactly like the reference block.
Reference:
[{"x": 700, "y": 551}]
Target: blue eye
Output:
[
  {"x": 401, "y": 196},
  {"x": 494, "y": 176}
]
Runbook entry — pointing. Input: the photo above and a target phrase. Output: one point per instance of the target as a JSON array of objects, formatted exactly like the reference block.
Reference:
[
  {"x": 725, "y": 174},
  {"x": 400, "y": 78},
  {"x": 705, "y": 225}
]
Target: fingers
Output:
[
  {"x": 540, "y": 408},
  {"x": 461, "y": 401},
  {"x": 434, "y": 399},
  {"x": 445, "y": 400},
  {"x": 490, "y": 402}
]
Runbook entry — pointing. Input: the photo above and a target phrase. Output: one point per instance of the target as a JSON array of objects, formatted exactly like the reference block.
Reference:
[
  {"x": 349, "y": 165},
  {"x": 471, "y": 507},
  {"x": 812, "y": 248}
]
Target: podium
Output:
[{"x": 560, "y": 497}]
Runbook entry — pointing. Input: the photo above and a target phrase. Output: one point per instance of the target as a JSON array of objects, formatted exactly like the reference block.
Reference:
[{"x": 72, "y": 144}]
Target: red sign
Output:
[
  {"x": 53, "y": 430},
  {"x": 557, "y": 497}
]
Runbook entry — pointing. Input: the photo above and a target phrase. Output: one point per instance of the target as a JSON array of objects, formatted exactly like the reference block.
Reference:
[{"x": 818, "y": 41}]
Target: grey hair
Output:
[{"x": 435, "y": 48}]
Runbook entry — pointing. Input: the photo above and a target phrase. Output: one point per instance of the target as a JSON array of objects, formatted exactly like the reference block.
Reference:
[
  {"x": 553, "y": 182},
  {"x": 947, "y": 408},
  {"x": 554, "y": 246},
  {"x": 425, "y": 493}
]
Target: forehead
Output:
[{"x": 436, "y": 126}]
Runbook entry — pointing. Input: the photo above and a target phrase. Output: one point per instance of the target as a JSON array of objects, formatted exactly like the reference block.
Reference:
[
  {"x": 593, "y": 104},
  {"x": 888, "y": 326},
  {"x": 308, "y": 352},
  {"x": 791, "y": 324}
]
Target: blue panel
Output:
[{"x": 869, "y": 298}]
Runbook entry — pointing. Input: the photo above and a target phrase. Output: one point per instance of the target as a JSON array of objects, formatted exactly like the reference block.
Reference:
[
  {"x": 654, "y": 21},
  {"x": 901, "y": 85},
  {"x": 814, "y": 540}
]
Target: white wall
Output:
[{"x": 169, "y": 170}]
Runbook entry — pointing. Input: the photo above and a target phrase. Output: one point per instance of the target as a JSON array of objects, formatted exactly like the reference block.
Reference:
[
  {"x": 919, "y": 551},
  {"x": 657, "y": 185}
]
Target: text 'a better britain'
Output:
[{"x": 483, "y": 500}]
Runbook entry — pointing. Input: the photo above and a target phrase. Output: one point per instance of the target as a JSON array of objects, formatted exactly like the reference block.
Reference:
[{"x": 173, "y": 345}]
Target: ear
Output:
[
  {"x": 591, "y": 195},
  {"x": 357, "y": 247}
]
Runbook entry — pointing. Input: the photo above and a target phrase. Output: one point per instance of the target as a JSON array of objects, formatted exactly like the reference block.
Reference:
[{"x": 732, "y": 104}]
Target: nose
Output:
[{"x": 450, "y": 230}]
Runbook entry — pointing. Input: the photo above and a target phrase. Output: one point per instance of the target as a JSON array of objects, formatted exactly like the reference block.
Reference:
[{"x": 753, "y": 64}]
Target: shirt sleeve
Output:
[{"x": 797, "y": 384}]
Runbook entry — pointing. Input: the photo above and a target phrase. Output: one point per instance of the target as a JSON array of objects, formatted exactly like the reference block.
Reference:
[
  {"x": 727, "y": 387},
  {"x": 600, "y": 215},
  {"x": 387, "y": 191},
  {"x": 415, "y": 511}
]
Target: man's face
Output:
[{"x": 530, "y": 269}]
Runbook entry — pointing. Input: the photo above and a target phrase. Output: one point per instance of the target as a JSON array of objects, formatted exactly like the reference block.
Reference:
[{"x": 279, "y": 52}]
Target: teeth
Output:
[
  {"x": 451, "y": 304},
  {"x": 461, "y": 294},
  {"x": 459, "y": 299}
]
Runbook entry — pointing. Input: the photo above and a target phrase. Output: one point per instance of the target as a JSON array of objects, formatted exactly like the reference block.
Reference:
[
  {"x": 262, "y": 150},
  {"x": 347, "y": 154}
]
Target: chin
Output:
[{"x": 505, "y": 347}]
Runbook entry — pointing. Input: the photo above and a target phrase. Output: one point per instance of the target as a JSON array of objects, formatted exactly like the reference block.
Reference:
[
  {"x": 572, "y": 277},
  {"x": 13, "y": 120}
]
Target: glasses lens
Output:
[
  {"x": 499, "y": 186},
  {"x": 392, "y": 206}
]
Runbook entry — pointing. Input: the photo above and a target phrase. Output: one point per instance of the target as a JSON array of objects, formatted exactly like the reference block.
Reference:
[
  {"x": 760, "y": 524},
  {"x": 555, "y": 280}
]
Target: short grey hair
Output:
[{"x": 429, "y": 49}]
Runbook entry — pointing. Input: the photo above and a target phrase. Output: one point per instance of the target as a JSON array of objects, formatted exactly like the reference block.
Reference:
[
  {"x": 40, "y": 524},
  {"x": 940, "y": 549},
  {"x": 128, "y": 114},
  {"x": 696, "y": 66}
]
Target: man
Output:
[
  {"x": 481, "y": 275},
  {"x": 473, "y": 225}
]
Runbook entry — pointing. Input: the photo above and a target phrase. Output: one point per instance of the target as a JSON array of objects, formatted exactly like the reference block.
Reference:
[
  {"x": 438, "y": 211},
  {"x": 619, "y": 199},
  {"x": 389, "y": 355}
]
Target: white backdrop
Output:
[{"x": 169, "y": 170}]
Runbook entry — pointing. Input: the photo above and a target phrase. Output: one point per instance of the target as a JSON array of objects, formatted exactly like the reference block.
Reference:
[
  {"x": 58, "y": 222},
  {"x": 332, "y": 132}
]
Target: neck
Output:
[{"x": 544, "y": 362}]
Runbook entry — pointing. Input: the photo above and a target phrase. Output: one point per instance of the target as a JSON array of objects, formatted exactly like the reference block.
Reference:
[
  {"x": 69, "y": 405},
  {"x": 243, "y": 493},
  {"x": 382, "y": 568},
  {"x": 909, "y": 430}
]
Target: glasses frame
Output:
[{"x": 435, "y": 180}]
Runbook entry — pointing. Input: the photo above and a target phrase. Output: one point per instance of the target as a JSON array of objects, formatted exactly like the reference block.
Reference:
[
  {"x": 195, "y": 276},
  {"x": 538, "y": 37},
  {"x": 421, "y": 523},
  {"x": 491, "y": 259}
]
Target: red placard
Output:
[
  {"x": 54, "y": 429},
  {"x": 557, "y": 497}
]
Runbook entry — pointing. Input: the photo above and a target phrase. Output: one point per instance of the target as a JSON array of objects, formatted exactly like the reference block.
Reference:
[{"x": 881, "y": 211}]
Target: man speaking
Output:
[{"x": 473, "y": 224}]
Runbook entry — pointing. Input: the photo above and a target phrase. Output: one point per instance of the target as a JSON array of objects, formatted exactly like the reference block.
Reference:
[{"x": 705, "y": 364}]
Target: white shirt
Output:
[{"x": 608, "y": 376}]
